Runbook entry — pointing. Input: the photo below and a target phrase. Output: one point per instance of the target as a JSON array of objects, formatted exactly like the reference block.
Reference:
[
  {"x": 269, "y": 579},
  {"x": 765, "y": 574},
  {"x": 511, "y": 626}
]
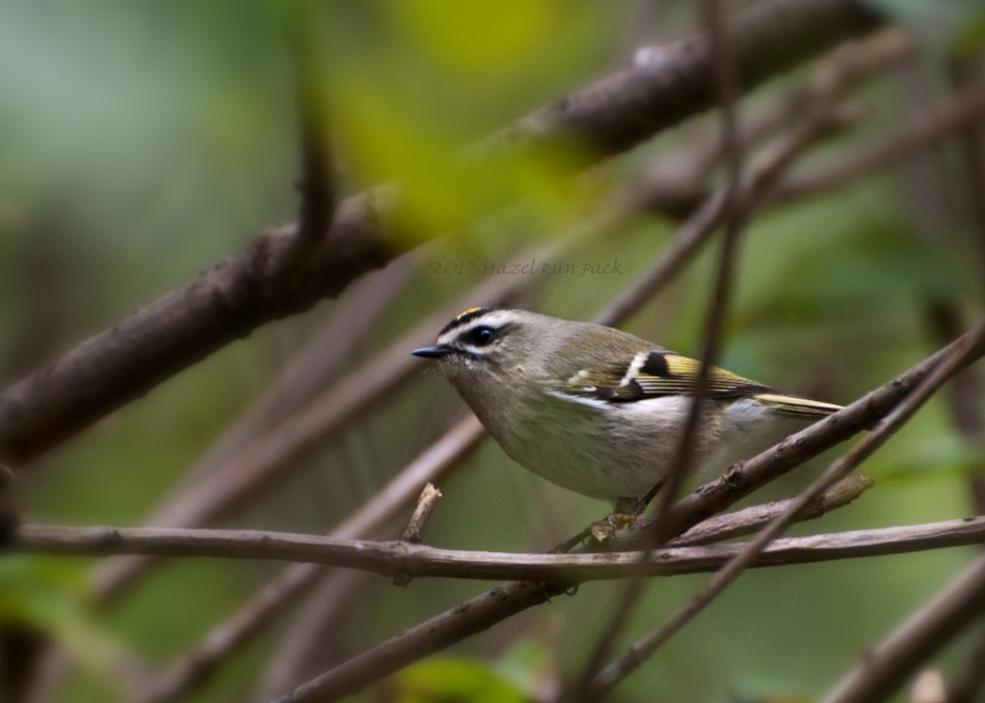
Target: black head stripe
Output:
[
  {"x": 464, "y": 318},
  {"x": 656, "y": 365}
]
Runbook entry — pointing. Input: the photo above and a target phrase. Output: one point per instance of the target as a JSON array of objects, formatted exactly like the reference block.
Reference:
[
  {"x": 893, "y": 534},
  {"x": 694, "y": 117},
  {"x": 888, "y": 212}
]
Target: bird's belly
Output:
[
  {"x": 622, "y": 451},
  {"x": 608, "y": 453}
]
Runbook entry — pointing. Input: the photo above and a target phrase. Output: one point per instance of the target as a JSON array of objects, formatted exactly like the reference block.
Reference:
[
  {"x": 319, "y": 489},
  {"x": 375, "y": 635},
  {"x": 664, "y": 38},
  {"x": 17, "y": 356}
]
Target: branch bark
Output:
[
  {"x": 390, "y": 558},
  {"x": 233, "y": 298}
]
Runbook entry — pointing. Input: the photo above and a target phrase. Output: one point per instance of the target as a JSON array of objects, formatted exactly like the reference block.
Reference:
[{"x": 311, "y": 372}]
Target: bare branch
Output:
[
  {"x": 419, "y": 560},
  {"x": 426, "y": 504},
  {"x": 304, "y": 638},
  {"x": 676, "y": 184},
  {"x": 886, "y": 667},
  {"x": 309, "y": 371},
  {"x": 301, "y": 650},
  {"x": 619, "y": 111},
  {"x": 751, "y": 519},
  {"x": 932, "y": 125}
]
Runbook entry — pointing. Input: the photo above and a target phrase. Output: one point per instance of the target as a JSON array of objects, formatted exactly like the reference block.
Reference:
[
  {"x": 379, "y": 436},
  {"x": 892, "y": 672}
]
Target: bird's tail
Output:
[{"x": 796, "y": 406}]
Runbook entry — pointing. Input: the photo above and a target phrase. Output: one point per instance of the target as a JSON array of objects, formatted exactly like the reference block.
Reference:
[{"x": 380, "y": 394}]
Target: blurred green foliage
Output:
[{"x": 143, "y": 141}]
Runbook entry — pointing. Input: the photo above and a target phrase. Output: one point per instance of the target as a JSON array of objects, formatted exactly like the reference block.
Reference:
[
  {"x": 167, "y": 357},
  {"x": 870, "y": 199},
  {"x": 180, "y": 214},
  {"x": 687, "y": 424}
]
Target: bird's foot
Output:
[{"x": 624, "y": 517}]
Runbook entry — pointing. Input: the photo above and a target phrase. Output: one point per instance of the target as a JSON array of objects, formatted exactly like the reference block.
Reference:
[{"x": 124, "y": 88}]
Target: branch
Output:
[
  {"x": 426, "y": 504},
  {"x": 676, "y": 184},
  {"x": 394, "y": 557},
  {"x": 742, "y": 522},
  {"x": 947, "y": 120},
  {"x": 621, "y": 110},
  {"x": 236, "y": 296},
  {"x": 884, "y": 668}
]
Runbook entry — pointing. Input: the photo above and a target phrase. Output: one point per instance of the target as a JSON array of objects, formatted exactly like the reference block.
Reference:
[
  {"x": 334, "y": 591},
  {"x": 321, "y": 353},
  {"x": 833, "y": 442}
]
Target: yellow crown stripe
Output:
[{"x": 467, "y": 311}]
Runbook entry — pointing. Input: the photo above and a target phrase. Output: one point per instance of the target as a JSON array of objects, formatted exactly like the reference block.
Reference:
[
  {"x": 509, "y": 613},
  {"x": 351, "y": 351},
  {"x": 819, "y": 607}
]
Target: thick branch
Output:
[
  {"x": 417, "y": 560},
  {"x": 751, "y": 519},
  {"x": 621, "y": 110},
  {"x": 230, "y": 300},
  {"x": 223, "y": 304}
]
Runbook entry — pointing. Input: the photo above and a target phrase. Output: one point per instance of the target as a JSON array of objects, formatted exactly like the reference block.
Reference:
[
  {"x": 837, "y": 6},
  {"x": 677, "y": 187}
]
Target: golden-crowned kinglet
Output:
[{"x": 600, "y": 411}]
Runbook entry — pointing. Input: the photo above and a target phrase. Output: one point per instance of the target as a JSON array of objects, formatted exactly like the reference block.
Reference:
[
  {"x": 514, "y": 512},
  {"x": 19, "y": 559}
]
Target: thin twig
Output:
[
  {"x": 944, "y": 121},
  {"x": 395, "y": 557},
  {"x": 308, "y": 372},
  {"x": 957, "y": 359},
  {"x": 426, "y": 504},
  {"x": 301, "y": 650},
  {"x": 883, "y": 669},
  {"x": 317, "y": 183},
  {"x": 742, "y": 522}
]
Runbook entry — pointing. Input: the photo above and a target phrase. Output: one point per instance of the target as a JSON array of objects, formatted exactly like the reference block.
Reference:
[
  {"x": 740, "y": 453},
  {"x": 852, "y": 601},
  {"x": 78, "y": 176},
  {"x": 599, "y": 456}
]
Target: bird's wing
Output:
[{"x": 662, "y": 373}]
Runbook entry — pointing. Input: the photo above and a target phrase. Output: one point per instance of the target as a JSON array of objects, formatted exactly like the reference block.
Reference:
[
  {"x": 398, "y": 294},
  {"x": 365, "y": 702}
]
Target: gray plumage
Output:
[{"x": 600, "y": 411}]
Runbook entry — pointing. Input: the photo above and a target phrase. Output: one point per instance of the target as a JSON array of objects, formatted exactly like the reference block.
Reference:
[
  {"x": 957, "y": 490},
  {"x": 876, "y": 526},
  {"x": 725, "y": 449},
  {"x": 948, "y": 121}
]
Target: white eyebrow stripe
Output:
[
  {"x": 496, "y": 319},
  {"x": 634, "y": 369}
]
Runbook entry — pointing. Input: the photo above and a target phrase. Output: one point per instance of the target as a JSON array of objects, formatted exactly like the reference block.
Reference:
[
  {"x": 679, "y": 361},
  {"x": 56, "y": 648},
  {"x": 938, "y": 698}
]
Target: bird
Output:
[{"x": 600, "y": 411}]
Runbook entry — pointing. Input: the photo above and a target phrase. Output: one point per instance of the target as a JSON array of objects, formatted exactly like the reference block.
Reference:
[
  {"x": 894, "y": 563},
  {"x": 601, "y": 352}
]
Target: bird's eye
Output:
[{"x": 481, "y": 336}]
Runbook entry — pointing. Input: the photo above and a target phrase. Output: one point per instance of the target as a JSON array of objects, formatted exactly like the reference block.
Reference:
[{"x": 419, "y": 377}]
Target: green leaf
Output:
[
  {"x": 46, "y": 595},
  {"x": 449, "y": 678},
  {"x": 481, "y": 35}
]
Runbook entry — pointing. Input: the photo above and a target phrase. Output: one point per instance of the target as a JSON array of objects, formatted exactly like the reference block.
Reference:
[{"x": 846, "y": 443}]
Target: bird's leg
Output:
[
  {"x": 643, "y": 503},
  {"x": 625, "y": 514}
]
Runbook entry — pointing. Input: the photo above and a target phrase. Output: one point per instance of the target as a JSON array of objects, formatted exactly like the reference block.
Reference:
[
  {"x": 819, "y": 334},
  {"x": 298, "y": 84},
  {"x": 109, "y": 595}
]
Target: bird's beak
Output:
[{"x": 435, "y": 352}]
